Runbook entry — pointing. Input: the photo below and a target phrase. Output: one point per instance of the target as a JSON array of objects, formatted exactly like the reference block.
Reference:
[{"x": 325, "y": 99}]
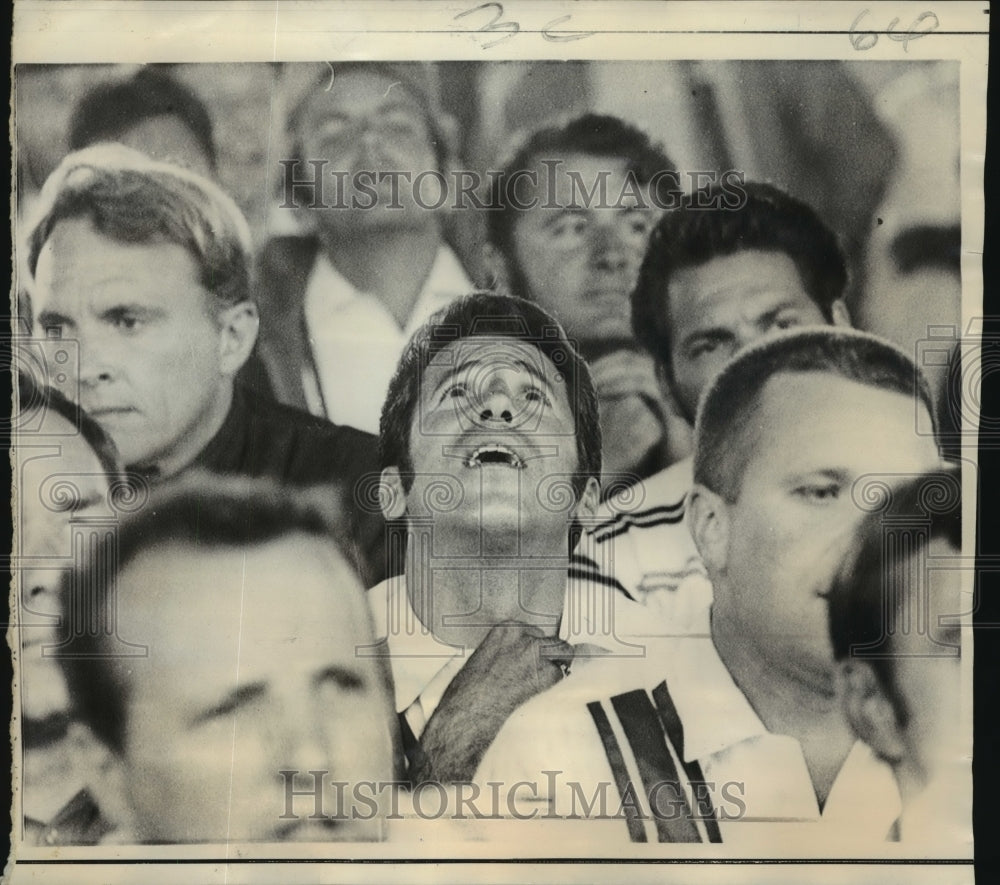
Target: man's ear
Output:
[
  {"x": 839, "y": 314},
  {"x": 238, "y": 327},
  {"x": 104, "y": 774},
  {"x": 586, "y": 508},
  {"x": 708, "y": 521},
  {"x": 391, "y": 495},
  {"x": 496, "y": 268},
  {"x": 870, "y": 712}
]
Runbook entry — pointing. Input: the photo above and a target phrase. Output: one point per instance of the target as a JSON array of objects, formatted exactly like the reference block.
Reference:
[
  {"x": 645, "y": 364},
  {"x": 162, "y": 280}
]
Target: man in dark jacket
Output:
[{"x": 143, "y": 270}]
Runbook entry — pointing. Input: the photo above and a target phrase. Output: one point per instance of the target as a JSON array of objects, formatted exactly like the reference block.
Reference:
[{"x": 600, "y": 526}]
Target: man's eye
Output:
[
  {"x": 126, "y": 322},
  {"x": 331, "y": 129},
  {"x": 399, "y": 125},
  {"x": 819, "y": 494},
  {"x": 637, "y": 222},
  {"x": 570, "y": 226},
  {"x": 454, "y": 392},
  {"x": 536, "y": 394},
  {"x": 703, "y": 348},
  {"x": 789, "y": 321},
  {"x": 53, "y": 330}
]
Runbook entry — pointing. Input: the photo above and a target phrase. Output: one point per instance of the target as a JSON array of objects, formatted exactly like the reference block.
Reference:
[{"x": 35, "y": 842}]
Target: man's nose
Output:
[
  {"x": 96, "y": 365},
  {"x": 302, "y": 742},
  {"x": 608, "y": 250},
  {"x": 497, "y": 405}
]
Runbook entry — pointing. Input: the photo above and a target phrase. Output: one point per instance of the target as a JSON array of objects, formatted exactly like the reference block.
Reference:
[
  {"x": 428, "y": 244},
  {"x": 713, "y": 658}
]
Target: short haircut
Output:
[
  {"x": 489, "y": 315},
  {"x": 594, "y": 135},
  {"x": 203, "y": 512},
  {"x": 726, "y": 423},
  {"x": 133, "y": 199},
  {"x": 34, "y": 397},
  {"x": 866, "y": 598},
  {"x": 110, "y": 110},
  {"x": 707, "y": 225}
]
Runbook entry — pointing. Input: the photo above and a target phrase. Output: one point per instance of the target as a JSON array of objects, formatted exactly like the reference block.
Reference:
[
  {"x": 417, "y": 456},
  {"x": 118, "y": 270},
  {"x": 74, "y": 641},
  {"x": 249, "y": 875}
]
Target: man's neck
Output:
[
  {"x": 390, "y": 263},
  {"x": 808, "y": 709},
  {"x": 460, "y": 599}
]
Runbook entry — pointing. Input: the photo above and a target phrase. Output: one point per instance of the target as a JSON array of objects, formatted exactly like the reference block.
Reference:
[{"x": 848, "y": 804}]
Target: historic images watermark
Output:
[
  {"x": 336, "y": 800},
  {"x": 313, "y": 184}
]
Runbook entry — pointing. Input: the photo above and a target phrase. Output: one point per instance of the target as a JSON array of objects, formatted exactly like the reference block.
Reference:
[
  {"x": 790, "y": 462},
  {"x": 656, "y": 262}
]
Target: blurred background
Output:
[{"x": 836, "y": 134}]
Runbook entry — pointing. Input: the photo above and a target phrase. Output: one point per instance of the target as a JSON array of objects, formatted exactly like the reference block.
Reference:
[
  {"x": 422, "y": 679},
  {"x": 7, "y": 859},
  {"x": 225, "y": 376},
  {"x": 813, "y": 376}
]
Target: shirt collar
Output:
[
  {"x": 426, "y": 656},
  {"x": 714, "y": 713},
  {"x": 446, "y": 281}
]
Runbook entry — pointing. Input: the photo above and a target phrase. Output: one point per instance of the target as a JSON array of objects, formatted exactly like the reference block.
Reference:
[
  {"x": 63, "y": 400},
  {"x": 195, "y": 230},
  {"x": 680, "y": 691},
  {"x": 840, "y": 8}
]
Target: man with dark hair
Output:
[
  {"x": 490, "y": 449},
  {"x": 146, "y": 268},
  {"x": 214, "y": 663},
  {"x": 745, "y": 737},
  {"x": 342, "y": 300},
  {"x": 67, "y": 476},
  {"x": 722, "y": 271},
  {"x": 896, "y": 626},
  {"x": 568, "y": 224},
  {"x": 151, "y": 112}
]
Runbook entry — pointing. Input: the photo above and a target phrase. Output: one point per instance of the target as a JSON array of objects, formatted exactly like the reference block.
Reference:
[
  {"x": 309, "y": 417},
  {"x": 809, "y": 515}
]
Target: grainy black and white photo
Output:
[{"x": 543, "y": 447}]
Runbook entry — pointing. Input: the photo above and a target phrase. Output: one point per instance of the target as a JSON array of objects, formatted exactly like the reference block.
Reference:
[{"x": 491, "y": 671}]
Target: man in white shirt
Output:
[
  {"x": 716, "y": 277},
  {"x": 490, "y": 453},
  {"x": 744, "y": 738},
  {"x": 338, "y": 307}
]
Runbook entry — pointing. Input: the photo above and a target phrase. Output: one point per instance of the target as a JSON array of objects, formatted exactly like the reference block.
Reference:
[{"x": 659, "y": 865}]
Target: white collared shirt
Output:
[
  {"x": 759, "y": 780},
  {"x": 423, "y": 666},
  {"x": 356, "y": 342},
  {"x": 641, "y": 538}
]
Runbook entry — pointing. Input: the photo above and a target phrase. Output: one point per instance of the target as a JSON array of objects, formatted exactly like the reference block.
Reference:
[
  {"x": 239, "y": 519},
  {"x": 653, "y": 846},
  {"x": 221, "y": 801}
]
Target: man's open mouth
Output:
[{"x": 494, "y": 454}]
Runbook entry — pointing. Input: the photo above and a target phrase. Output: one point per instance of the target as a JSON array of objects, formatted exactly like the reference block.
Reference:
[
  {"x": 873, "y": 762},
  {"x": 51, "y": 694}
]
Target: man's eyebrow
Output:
[
  {"x": 834, "y": 474},
  {"x": 53, "y": 318},
  {"x": 342, "y": 676},
  {"x": 232, "y": 701},
  {"x": 927, "y": 245},
  {"x": 716, "y": 333},
  {"x": 766, "y": 318},
  {"x": 394, "y": 101},
  {"x": 84, "y": 503},
  {"x": 472, "y": 363},
  {"x": 552, "y": 218},
  {"x": 146, "y": 310}
]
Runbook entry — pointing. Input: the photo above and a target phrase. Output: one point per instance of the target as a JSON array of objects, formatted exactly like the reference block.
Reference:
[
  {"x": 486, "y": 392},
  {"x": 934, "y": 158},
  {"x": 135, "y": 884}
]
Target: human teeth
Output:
[{"x": 494, "y": 454}]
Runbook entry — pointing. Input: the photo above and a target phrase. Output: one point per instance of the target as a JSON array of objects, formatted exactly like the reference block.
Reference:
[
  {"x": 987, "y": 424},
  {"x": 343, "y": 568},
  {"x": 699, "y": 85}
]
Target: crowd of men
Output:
[{"x": 307, "y": 528}]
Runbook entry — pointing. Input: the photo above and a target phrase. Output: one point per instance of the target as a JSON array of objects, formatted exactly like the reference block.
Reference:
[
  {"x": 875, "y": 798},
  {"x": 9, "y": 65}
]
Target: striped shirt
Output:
[{"x": 641, "y": 543}]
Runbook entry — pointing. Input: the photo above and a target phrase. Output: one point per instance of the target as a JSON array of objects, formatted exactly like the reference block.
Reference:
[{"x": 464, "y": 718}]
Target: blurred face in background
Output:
[
  {"x": 167, "y": 138},
  {"x": 912, "y": 271},
  {"x": 580, "y": 260},
  {"x": 368, "y": 122},
  {"x": 59, "y": 481}
]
